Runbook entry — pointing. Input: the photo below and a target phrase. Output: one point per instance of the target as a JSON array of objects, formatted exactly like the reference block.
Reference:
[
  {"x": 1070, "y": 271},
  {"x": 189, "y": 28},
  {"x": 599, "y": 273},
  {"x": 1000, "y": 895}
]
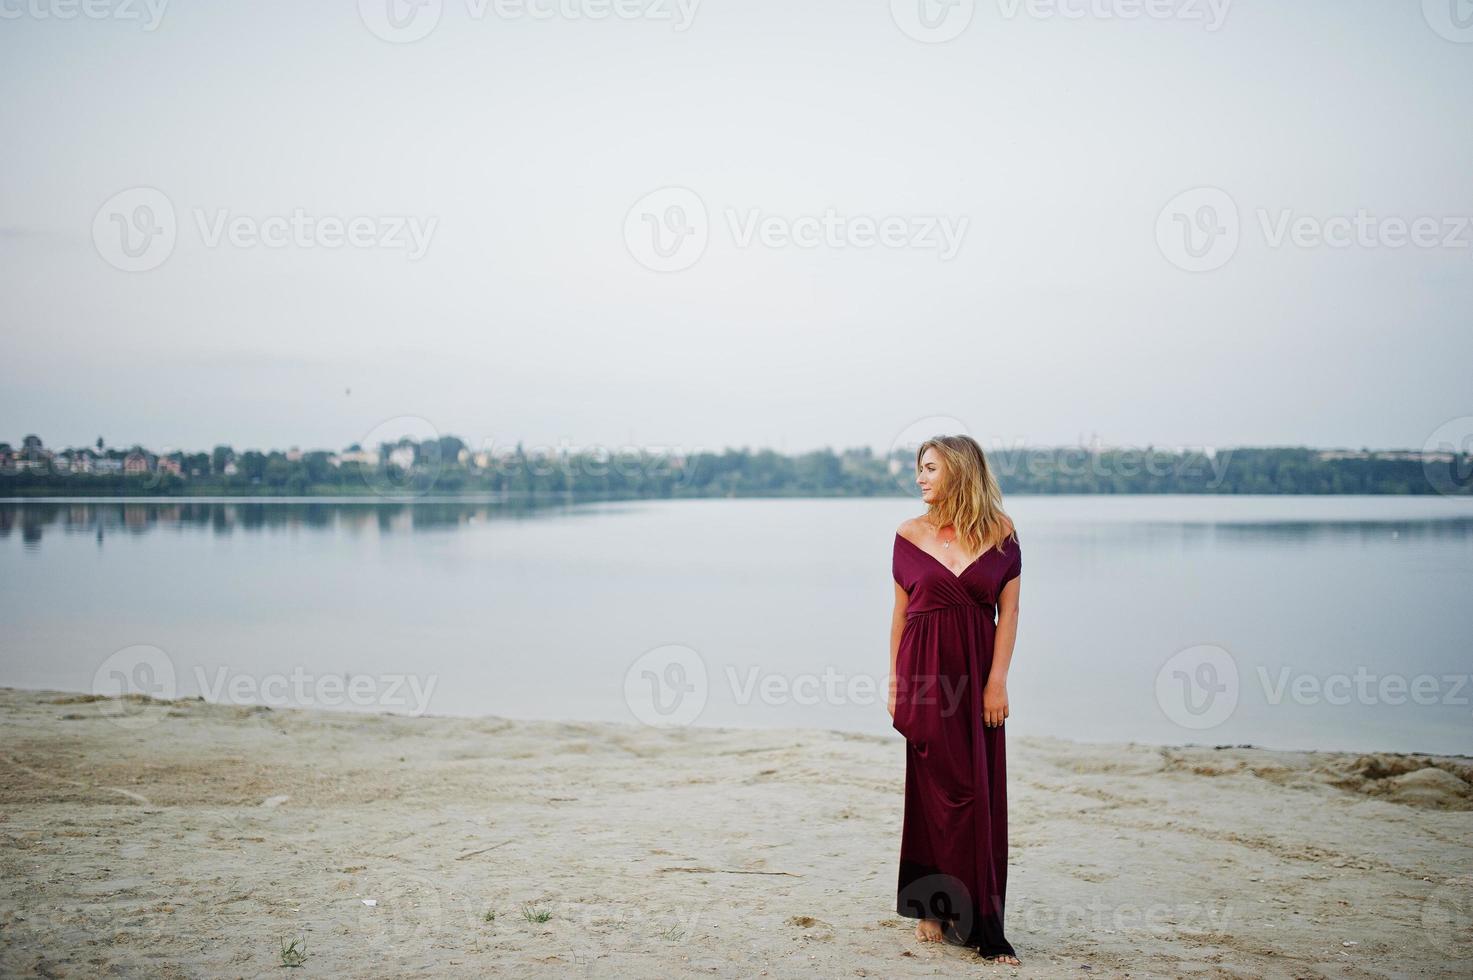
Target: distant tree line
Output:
[{"x": 446, "y": 466}]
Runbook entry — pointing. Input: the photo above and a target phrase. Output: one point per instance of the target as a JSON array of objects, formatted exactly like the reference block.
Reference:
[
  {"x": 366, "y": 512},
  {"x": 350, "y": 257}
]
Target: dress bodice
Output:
[{"x": 932, "y": 586}]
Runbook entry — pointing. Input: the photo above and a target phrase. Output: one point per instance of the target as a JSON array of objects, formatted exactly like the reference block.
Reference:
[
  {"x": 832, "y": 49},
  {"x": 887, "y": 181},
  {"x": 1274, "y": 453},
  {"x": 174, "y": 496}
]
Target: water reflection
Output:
[
  {"x": 1246, "y": 532},
  {"x": 32, "y": 519}
]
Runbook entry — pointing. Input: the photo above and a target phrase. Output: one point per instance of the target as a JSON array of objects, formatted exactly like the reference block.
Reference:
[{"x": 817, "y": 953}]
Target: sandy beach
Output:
[{"x": 173, "y": 839}]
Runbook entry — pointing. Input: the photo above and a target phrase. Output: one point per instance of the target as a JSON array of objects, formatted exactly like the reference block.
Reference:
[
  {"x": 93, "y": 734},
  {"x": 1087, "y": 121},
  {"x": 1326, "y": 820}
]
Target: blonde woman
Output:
[{"x": 956, "y": 569}]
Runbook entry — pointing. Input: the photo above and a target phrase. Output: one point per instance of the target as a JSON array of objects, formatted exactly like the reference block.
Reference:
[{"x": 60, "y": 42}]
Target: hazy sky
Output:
[{"x": 1052, "y": 140}]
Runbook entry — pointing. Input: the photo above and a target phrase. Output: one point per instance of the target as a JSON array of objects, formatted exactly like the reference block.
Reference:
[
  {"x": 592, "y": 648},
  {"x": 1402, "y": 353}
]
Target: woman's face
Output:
[{"x": 930, "y": 477}]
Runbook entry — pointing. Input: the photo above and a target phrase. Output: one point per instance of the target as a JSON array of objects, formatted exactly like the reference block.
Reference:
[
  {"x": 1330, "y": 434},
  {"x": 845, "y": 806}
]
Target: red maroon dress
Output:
[{"x": 954, "y": 843}]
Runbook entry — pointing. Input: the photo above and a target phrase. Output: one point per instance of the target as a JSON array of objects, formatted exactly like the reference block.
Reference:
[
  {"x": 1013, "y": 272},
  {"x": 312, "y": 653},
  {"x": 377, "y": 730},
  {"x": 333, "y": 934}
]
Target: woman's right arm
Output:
[{"x": 897, "y": 626}]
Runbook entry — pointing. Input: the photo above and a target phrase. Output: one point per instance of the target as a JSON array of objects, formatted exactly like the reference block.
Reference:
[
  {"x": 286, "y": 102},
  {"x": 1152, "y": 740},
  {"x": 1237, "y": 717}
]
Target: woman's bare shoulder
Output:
[{"x": 911, "y": 527}]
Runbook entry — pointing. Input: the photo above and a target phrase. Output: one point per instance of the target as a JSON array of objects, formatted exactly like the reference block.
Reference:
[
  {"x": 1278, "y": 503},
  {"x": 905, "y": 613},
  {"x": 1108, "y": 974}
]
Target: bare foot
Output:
[
  {"x": 1004, "y": 958},
  {"x": 929, "y": 930}
]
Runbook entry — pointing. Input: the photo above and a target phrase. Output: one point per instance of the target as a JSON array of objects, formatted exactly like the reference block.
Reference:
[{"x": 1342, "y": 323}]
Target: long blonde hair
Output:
[{"x": 970, "y": 498}]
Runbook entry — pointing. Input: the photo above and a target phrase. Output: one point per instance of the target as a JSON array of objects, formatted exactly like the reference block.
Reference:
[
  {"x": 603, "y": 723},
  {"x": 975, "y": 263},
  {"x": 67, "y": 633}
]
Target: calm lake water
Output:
[{"x": 1287, "y": 622}]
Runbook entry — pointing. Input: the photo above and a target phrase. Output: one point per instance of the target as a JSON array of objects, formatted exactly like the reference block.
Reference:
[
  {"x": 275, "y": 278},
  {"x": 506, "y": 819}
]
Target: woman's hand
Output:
[
  {"x": 994, "y": 703},
  {"x": 891, "y": 705}
]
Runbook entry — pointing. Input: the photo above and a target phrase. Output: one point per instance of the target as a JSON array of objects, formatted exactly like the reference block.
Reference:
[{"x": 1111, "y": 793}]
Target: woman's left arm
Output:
[{"x": 995, "y": 692}]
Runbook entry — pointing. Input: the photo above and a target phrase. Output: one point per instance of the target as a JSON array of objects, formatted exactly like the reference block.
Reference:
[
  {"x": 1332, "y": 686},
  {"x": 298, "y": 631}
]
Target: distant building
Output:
[
  {"x": 135, "y": 464},
  {"x": 402, "y": 457},
  {"x": 230, "y": 468}
]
